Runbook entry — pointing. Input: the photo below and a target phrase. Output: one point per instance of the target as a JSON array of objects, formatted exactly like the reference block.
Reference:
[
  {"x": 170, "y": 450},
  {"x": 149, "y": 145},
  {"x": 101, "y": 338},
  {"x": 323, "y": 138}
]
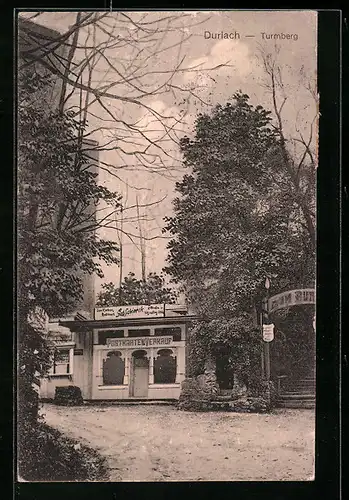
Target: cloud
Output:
[
  {"x": 236, "y": 52},
  {"x": 231, "y": 52}
]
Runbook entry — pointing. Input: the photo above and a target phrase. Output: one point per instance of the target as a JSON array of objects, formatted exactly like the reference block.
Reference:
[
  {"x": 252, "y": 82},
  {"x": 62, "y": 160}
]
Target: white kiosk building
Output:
[{"x": 125, "y": 352}]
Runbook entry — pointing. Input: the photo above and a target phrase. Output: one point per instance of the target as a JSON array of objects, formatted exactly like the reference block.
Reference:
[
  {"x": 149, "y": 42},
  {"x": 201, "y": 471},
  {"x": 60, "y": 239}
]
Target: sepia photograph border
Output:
[{"x": 328, "y": 383}]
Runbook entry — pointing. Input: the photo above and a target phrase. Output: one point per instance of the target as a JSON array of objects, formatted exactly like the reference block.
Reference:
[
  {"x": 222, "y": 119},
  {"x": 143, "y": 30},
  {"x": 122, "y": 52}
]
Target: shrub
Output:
[
  {"x": 249, "y": 405},
  {"x": 50, "y": 456},
  {"x": 68, "y": 396}
]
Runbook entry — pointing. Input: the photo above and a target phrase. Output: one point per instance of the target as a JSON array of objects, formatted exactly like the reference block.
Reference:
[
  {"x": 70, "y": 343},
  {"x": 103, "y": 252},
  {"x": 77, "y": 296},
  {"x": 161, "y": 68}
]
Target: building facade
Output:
[
  {"x": 127, "y": 352},
  {"x": 43, "y": 51}
]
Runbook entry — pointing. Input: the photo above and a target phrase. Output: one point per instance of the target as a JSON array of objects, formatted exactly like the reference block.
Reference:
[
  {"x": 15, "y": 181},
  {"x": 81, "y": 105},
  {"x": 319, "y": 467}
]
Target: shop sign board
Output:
[
  {"x": 126, "y": 342},
  {"x": 291, "y": 298},
  {"x": 138, "y": 311}
]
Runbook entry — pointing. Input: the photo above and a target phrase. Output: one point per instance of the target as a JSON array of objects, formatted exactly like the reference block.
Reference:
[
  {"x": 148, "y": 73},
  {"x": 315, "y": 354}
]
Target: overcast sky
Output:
[{"x": 297, "y": 57}]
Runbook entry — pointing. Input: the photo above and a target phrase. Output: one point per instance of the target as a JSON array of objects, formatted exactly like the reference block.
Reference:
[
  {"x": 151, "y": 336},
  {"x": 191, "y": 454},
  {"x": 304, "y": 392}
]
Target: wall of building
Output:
[
  {"x": 155, "y": 391},
  {"x": 88, "y": 300},
  {"x": 35, "y": 42},
  {"x": 48, "y": 386},
  {"x": 83, "y": 363},
  {"x": 89, "y": 355}
]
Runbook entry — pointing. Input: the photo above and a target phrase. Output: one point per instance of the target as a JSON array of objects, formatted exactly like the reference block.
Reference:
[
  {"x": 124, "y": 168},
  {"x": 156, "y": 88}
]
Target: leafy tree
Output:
[
  {"x": 137, "y": 292},
  {"x": 237, "y": 220},
  {"x": 58, "y": 196},
  {"x": 57, "y": 201}
]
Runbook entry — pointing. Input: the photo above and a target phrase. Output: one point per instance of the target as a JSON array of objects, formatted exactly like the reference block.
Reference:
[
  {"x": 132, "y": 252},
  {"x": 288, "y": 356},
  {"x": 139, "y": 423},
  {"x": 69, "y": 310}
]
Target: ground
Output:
[{"x": 161, "y": 443}]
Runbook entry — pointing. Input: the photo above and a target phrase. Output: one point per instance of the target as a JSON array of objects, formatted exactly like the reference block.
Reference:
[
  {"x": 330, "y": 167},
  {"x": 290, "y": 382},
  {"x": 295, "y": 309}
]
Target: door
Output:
[{"x": 140, "y": 377}]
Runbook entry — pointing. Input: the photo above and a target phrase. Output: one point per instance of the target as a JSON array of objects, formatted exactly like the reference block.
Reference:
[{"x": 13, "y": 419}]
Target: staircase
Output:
[{"x": 296, "y": 393}]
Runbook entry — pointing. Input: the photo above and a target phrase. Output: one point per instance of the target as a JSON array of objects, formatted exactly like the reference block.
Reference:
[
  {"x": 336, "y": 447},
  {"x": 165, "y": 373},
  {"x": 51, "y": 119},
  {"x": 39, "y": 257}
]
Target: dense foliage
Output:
[
  {"x": 57, "y": 198},
  {"x": 50, "y": 456},
  {"x": 58, "y": 195},
  {"x": 133, "y": 291},
  {"x": 237, "y": 220}
]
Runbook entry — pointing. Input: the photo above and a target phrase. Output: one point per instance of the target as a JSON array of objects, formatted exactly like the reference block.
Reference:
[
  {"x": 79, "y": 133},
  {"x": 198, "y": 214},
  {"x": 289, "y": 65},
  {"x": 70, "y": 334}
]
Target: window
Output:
[
  {"x": 175, "y": 333},
  {"x": 139, "y": 354},
  {"x": 165, "y": 367},
  {"x": 62, "y": 361},
  {"x": 140, "y": 359},
  {"x": 103, "y": 335},
  {"x": 113, "y": 369},
  {"x": 139, "y": 333}
]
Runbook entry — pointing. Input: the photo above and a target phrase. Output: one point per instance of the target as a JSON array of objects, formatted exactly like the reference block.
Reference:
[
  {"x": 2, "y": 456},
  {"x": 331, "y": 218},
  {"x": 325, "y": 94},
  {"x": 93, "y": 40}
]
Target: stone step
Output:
[
  {"x": 299, "y": 386},
  {"x": 296, "y": 395},
  {"x": 298, "y": 391},
  {"x": 223, "y": 397},
  {"x": 302, "y": 380},
  {"x": 307, "y": 390},
  {"x": 115, "y": 402},
  {"x": 308, "y": 404}
]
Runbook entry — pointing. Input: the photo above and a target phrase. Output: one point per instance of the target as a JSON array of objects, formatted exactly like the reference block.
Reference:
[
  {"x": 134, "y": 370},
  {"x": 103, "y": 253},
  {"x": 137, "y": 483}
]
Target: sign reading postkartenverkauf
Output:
[
  {"x": 140, "y": 342},
  {"x": 291, "y": 298},
  {"x": 142, "y": 311}
]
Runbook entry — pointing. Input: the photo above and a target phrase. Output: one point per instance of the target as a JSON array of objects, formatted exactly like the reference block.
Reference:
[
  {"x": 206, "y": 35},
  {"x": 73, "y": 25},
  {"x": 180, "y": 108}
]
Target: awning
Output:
[{"x": 88, "y": 325}]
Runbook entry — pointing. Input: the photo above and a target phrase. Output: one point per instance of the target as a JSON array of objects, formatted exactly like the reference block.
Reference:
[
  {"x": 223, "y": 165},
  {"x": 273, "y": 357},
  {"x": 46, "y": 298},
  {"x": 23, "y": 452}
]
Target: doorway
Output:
[{"x": 140, "y": 375}]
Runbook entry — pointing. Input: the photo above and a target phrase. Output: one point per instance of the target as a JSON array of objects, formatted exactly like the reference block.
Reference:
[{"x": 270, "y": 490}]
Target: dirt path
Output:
[{"x": 161, "y": 443}]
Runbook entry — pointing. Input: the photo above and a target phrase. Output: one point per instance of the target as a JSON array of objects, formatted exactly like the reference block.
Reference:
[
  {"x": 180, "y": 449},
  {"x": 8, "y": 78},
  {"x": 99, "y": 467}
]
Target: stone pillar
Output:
[
  {"x": 239, "y": 388},
  {"x": 151, "y": 366},
  {"x": 210, "y": 368}
]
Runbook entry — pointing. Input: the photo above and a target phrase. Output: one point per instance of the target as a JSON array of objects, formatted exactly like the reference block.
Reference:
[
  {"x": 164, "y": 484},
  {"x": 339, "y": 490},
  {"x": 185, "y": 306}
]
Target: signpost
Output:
[
  {"x": 266, "y": 331},
  {"x": 281, "y": 300}
]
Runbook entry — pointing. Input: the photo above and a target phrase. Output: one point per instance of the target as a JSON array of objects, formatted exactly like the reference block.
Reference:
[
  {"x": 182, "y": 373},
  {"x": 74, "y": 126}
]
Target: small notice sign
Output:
[
  {"x": 78, "y": 352},
  {"x": 268, "y": 333}
]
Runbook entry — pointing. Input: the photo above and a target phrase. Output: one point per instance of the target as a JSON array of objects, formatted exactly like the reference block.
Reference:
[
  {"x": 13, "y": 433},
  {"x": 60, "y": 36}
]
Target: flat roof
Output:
[{"x": 81, "y": 325}]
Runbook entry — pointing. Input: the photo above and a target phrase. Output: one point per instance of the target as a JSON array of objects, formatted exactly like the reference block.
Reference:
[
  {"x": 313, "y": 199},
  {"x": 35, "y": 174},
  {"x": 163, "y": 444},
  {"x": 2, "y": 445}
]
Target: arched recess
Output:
[
  {"x": 165, "y": 365},
  {"x": 140, "y": 353},
  {"x": 113, "y": 369}
]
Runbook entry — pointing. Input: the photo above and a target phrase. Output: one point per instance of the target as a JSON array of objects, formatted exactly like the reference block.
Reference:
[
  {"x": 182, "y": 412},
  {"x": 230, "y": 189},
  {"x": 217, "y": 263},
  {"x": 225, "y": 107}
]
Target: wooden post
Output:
[
  {"x": 262, "y": 364},
  {"x": 266, "y": 345},
  {"x": 267, "y": 360},
  {"x": 151, "y": 367},
  {"x": 127, "y": 368}
]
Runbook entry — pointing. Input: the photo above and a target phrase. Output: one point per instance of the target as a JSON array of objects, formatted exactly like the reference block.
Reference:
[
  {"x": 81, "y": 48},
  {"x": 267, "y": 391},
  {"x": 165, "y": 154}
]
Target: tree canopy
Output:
[
  {"x": 237, "y": 218},
  {"x": 137, "y": 292},
  {"x": 58, "y": 200}
]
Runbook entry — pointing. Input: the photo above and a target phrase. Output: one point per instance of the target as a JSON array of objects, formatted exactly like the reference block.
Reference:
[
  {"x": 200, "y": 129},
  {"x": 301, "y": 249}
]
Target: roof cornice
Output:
[{"x": 88, "y": 325}]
